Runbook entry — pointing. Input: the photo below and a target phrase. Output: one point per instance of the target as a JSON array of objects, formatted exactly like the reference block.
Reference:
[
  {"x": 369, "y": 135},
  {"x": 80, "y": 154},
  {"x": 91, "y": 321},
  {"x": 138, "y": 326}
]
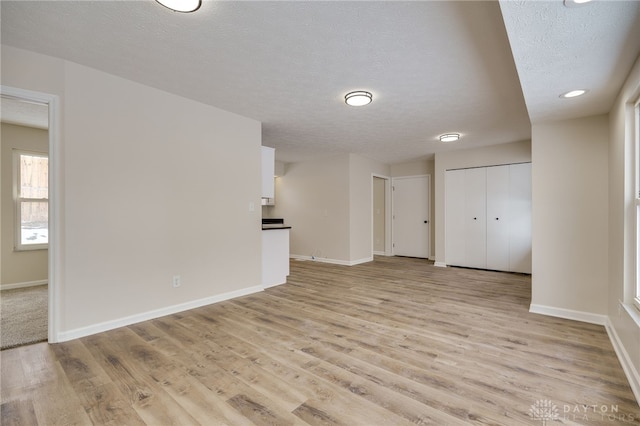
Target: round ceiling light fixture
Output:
[
  {"x": 573, "y": 93},
  {"x": 449, "y": 137},
  {"x": 575, "y": 3},
  {"x": 184, "y": 6},
  {"x": 358, "y": 98}
]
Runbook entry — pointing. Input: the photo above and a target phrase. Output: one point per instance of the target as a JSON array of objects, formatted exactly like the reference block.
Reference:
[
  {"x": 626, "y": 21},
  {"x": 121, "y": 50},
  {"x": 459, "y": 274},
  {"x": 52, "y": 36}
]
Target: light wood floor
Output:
[{"x": 392, "y": 342}]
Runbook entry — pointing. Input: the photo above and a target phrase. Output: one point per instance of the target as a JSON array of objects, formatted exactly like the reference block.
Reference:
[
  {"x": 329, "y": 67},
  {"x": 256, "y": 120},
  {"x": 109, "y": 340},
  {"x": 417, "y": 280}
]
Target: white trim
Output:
[
  {"x": 23, "y": 284},
  {"x": 380, "y": 253},
  {"x": 632, "y": 312},
  {"x": 569, "y": 314},
  {"x": 264, "y": 287},
  {"x": 157, "y": 313},
  {"x": 440, "y": 264},
  {"x": 332, "y": 261},
  {"x": 55, "y": 189},
  {"x": 636, "y": 195},
  {"x": 625, "y": 360}
]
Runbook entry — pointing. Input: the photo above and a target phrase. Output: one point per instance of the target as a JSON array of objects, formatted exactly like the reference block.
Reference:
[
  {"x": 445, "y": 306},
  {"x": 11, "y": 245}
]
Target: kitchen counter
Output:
[
  {"x": 275, "y": 252},
  {"x": 266, "y": 227},
  {"x": 273, "y": 223}
]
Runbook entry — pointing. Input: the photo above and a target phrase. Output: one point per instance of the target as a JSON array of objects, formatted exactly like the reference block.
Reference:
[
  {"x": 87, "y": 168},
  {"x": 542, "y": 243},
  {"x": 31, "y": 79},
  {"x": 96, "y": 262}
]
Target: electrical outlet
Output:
[{"x": 176, "y": 281}]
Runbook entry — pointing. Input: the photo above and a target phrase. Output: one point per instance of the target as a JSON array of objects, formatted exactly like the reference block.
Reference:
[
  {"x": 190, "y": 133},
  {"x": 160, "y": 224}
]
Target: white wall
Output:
[
  {"x": 154, "y": 185},
  {"x": 19, "y": 267},
  {"x": 328, "y": 203},
  {"x": 516, "y": 152},
  {"x": 570, "y": 217},
  {"x": 313, "y": 197},
  {"x": 621, "y": 278}
]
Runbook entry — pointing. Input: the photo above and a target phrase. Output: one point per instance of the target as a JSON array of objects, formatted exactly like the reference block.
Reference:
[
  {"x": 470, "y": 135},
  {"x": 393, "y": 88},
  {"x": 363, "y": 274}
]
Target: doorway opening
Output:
[
  {"x": 381, "y": 216},
  {"x": 29, "y": 245}
]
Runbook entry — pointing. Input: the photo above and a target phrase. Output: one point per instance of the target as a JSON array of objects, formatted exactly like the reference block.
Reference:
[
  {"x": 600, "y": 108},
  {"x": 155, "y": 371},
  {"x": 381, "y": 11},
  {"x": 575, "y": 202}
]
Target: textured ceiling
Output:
[
  {"x": 557, "y": 49},
  {"x": 30, "y": 114},
  {"x": 433, "y": 67}
]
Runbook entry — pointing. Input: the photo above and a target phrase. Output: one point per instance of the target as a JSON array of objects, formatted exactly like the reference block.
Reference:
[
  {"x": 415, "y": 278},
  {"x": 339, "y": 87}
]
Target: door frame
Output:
[
  {"x": 55, "y": 187},
  {"x": 429, "y": 207},
  {"x": 388, "y": 251}
]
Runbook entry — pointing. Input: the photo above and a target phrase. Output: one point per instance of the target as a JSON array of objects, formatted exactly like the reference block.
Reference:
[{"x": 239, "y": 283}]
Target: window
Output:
[{"x": 31, "y": 194}]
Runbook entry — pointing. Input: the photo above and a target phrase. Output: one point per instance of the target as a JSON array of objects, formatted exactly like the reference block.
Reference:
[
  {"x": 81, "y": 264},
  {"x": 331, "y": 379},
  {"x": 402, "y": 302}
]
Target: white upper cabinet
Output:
[{"x": 268, "y": 172}]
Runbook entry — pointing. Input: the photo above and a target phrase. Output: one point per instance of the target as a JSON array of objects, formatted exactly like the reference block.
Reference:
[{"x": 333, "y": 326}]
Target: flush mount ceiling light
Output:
[
  {"x": 574, "y": 93},
  {"x": 181, "y": 5},
  {"x": 449, "y": 137},
  {"x": 358, "y": 98},
  {"x": 575, "y": 3}
]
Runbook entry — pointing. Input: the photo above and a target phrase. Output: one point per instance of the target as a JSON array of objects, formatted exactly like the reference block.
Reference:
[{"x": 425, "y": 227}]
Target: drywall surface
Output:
[
  {"x": 154, "y": 185},
  {"x": 570, "y": 215}
]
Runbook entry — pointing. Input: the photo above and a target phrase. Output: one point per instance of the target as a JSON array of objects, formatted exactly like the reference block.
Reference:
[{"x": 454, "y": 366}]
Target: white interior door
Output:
[{"x": 411, "y": 221}]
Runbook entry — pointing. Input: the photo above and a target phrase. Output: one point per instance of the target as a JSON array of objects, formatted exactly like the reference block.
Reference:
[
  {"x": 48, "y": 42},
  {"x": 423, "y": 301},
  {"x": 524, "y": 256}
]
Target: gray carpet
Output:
[{"x": 23, "y": 316}]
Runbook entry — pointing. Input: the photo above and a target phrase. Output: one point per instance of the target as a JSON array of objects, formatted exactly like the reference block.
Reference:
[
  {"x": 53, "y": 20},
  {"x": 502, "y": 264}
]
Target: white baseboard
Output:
[
  {"x": 332, "y": 261},
  {"x": 628, "y": 367},
  {"x": 157, "y": 313},
  {"x": 569, "y": 314},
  {"x": 264, "y": 287},
  {"x": 440, "y": 264},
  {"x": 23, "y": 285},
  {"x": 623, "y": 356}
]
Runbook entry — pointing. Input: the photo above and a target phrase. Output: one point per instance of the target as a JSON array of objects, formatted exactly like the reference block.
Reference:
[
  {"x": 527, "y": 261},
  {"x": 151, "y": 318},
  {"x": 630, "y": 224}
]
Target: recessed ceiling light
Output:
[
  {"x": 358, "y": 98},
  {"x": 574, "y": 93},
  {"x": 181, "y": 5},
  {"x": 449, "y": 137},
  {"x": 575, "y": 3}
]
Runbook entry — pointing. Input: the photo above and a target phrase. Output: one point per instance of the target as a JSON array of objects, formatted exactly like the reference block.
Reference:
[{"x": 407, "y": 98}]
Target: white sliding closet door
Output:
[
  {"x": 498, "y": 218},
  {"x": 488, "y": 217},
  {"x": 475, "y": 218}
]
